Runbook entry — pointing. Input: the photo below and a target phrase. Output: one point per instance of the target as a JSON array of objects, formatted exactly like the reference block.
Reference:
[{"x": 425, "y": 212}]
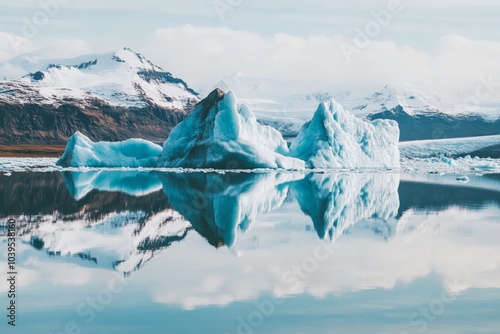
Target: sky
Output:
[{"x": 441, "y": 44}]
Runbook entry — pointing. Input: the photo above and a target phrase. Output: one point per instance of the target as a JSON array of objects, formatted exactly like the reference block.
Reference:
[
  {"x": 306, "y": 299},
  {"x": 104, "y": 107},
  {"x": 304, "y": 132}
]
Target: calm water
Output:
[{"x": 132, "y": 252}]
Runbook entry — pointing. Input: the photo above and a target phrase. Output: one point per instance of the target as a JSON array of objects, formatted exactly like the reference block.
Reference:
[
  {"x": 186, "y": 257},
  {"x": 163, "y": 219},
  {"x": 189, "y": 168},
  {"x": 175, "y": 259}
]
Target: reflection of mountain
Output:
[
  {"x": 217, "y": 205},
  {"x": 335, "y": 201},
  {"x": 121, "y": 227},
  {"x": 38, "y": 194}
]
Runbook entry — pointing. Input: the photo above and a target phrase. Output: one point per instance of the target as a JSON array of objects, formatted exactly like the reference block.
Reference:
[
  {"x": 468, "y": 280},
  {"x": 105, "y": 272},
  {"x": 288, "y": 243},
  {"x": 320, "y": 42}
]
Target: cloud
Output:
[
  {"x": 202, "y": 55},
  {"x": 12, "y": 45}
]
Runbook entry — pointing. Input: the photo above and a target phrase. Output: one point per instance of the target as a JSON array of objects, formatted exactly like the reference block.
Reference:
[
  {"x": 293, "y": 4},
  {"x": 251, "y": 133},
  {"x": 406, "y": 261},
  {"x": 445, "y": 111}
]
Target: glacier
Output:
[
  {"x": 219, "y": 135},
  {"x": 335, "y": 138},
  {"x": 450, "y": 147},
  {"x": 82, "y": 152}
]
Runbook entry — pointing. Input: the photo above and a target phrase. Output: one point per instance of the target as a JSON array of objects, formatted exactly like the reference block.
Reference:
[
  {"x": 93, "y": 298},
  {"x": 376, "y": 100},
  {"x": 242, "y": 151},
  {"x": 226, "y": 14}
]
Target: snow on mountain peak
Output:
[
  {"x": 411, "y": 99},
  {"x": 134, "y": 59},
  {"x": 124, "y": 78}
]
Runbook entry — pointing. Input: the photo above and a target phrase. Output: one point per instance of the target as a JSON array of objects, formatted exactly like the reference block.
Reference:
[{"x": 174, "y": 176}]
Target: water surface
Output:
[{"x": 150, "y": 252}]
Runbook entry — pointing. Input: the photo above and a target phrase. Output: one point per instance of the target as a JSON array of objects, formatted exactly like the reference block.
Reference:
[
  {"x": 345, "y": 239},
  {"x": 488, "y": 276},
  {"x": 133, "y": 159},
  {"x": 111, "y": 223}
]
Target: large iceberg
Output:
[
  {"x": 82, "y": 152},
  {"x": 336, "y": 138},
  {"x": 219, "y": 135}
]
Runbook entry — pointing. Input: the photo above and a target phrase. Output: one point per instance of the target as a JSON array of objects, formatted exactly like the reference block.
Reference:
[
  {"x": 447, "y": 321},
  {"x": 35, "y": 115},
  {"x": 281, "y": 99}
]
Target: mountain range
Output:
[{"x": 121, "y": 95}]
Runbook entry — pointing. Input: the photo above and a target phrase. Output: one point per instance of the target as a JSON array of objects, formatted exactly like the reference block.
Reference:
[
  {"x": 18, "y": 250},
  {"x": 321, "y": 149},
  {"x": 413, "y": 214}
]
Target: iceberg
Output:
[
  {"x": 82, "y": 152},
  {"x": 219, "y": 135},
  {"x": 335, "y": 138}
]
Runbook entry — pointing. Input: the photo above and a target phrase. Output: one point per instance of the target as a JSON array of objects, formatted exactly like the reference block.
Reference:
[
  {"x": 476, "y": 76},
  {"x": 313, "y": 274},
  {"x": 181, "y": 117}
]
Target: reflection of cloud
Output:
[
  {"x": 28, "y": 277},
  {"x": 458, "y": 245},
  {"x": 68, "y": 274},
  {"x": 460, "y": 249}
]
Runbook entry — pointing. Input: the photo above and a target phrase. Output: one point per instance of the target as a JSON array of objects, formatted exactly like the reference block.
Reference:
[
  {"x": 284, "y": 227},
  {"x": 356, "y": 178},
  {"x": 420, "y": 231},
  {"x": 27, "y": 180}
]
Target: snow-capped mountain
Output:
[
  {"x": 109, "y": 97},
  {"x": 124, "y": 78},
  {"x": 428, "y": 114},
  {"x": 417, "y": 101},
  {"x": 421, "y": 113}
]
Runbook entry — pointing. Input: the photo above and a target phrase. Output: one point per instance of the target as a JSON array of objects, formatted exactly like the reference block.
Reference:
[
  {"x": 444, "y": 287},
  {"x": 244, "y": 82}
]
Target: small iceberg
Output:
[
  {"x": 82, "y": 152},
  {"x": 463, "y": 179}
]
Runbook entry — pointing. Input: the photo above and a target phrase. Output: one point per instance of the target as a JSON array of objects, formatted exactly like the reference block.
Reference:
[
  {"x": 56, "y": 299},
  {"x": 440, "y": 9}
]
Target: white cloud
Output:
[
  {"x": 12, "y": 45},
  {"x": 202, "y": 55}
]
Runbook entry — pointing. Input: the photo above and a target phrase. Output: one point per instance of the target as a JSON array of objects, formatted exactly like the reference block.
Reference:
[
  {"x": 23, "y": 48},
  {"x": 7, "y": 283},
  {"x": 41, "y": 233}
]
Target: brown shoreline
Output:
[{"x": 31, "y": 151}]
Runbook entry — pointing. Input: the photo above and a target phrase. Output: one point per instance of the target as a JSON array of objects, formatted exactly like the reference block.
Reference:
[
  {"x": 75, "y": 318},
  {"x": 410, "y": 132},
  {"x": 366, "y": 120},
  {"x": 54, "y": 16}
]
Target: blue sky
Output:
[
  {"x": 420, "y": 24},
  {"x": 422, "y": 30}
]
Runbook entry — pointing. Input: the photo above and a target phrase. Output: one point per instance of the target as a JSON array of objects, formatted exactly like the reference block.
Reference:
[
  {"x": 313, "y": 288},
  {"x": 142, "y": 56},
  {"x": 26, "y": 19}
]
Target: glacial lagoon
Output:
[{"x": 103, "y": 251}]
